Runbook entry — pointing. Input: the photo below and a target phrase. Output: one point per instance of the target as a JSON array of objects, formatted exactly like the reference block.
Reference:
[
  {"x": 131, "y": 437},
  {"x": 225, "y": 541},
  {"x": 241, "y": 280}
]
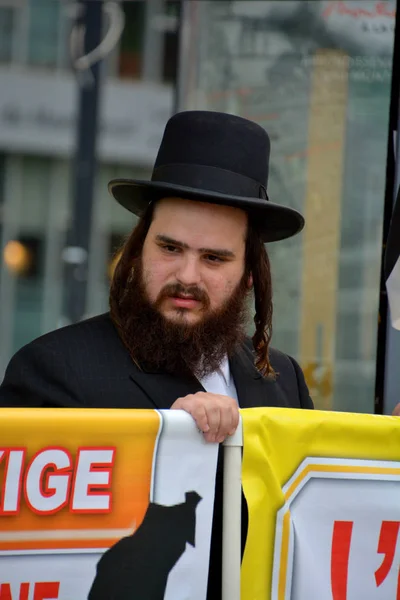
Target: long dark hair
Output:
[{"x": 257, "y": 266}]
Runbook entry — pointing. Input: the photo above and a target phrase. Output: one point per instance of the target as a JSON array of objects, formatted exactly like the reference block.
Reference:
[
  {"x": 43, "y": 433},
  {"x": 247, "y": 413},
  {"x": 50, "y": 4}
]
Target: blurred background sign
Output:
[{"x": 38, "y": 111}]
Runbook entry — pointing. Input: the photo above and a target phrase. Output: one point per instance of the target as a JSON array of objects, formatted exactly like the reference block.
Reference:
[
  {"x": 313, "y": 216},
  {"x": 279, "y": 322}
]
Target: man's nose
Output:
[{"x": 188, "y": 272}]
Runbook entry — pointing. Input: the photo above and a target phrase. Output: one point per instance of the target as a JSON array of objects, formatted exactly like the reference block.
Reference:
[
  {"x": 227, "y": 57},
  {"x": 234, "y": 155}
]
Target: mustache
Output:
[{"x": 177, "y": 289}]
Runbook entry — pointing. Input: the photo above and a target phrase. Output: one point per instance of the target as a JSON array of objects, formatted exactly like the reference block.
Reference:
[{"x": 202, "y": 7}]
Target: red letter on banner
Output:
[
  {"x": 341, "y": 540},
  {"x": 46, "y": 590},
  {"x": 387, "y": 546},
  {"x": 24, "y": 591},
  {"x": 5, "y": 591}
]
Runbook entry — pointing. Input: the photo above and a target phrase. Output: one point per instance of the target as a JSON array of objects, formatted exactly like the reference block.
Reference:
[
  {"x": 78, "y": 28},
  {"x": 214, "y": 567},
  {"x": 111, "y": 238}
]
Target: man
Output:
[{"x": 175, "y": 334}]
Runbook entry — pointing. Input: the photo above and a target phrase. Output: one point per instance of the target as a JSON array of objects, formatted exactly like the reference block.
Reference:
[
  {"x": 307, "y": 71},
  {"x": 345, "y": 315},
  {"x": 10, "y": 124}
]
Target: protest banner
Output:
[
  {"x": 135, "y": 491},
  {"x": 132, "y": 488},
  {"x": 323, "y": 495}
]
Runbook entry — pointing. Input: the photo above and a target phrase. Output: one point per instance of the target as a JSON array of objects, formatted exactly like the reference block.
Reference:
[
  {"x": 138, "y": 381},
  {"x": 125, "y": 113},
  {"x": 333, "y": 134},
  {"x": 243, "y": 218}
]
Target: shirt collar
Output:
[{"x": 224, "y": 370}]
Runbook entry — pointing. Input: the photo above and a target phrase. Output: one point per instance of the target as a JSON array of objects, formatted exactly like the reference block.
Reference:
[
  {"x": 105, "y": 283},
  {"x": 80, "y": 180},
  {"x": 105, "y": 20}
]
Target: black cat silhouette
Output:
[{"x": 137, "y": 567}]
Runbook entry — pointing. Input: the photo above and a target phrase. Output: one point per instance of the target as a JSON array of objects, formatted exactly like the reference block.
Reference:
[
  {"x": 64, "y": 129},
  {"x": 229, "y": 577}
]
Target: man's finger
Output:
[
  {"x": 214, "y": 420},
  {"x": 235, "y": 419},
  {"x": 226, "y": 423},
  {"x": 200, "y": 415}
]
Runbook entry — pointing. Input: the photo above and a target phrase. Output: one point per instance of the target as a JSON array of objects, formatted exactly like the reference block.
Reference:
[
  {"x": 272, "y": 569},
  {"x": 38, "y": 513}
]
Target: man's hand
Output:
[{"x": 216, "y": 416}]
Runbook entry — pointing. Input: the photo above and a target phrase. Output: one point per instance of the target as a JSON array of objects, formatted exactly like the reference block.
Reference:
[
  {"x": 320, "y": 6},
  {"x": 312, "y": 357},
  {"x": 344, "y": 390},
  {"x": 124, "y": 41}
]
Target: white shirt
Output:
[{"x": 220, "y": 381}]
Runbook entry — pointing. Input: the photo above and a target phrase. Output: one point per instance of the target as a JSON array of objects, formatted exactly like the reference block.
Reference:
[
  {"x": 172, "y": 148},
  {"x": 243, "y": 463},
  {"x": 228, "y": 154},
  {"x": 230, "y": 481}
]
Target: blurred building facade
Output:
[
  {"x": 38, "y": 106},
  {"x": 315, "y": 73}
]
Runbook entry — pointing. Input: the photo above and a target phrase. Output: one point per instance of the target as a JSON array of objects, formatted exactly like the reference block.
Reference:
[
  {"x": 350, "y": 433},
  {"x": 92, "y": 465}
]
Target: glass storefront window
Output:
[
  {"x": 317, "y": 75},
  {"x": 131, "y": 45},
  {"x": 7, "y": 17},
  {"x": 44, "y": 27},
  {"x": 35, "y": 213}
]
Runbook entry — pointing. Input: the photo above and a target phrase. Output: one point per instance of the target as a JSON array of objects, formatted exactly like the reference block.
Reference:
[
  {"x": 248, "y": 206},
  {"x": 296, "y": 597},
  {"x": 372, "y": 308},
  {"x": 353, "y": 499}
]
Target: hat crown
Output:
[
  {"x": 213, "y": 157},
  {"x": 218, "y": 140}
]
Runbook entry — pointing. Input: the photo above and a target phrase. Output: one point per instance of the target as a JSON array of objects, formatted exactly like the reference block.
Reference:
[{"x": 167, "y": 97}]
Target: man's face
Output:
[{"x": 193, "y": 258}]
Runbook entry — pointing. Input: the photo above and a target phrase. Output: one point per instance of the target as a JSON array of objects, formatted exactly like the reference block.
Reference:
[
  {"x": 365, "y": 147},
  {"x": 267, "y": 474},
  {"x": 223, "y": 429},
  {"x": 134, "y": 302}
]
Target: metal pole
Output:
[
  {"x": 232, "y": 515},
  {"x": 184, "y": 47},
  {"x": 388, "y": 346},
  {"x": 75, "y": 255},
  {"x": 189, "y": 19}
]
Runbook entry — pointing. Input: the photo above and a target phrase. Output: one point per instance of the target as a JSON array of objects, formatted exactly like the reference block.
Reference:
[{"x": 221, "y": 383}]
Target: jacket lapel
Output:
[
  {"x": 163, "y": 389},
  {"x": 252, "y": 388},
  {"x": 160, "y": 388}
]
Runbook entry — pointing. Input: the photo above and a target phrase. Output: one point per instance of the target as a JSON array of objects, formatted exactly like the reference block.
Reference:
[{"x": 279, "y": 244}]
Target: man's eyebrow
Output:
[
  {"x": 167, "y": 240},
  {"x": 216, "y": 251}
]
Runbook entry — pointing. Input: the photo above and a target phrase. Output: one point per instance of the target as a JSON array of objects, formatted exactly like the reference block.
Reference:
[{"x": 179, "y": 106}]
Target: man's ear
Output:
[{"x": 250, "y": 281}]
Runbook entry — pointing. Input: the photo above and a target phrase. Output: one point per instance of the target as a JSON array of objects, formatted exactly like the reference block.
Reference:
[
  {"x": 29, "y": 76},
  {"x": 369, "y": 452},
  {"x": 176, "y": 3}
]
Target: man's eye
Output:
[
  {"x": 213, "y": 258},
  {"x": 170, "y": 249}
]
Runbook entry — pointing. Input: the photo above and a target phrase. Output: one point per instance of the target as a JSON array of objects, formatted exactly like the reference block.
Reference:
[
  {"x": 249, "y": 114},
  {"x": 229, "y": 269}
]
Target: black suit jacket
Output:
[{"x": 87, "y": 365}]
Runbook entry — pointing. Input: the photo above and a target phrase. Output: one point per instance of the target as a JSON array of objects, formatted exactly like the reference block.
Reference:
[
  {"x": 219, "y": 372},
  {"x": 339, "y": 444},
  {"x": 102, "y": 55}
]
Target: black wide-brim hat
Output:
[{"x": 213, "y": 157}]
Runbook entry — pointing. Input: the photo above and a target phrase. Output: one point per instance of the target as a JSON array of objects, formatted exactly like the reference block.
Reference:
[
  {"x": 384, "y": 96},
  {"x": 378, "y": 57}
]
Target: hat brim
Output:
[{"x": 274, "y": 221}]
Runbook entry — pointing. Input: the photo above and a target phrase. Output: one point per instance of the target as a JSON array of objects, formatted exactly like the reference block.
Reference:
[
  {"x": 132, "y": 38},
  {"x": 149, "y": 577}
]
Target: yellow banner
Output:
[{"x": 323, "y": 494}]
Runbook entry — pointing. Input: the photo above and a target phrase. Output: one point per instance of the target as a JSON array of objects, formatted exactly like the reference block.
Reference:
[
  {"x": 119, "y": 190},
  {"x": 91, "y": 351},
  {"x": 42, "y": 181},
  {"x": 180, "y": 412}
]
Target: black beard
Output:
[{"x": 182, "y": 349}]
